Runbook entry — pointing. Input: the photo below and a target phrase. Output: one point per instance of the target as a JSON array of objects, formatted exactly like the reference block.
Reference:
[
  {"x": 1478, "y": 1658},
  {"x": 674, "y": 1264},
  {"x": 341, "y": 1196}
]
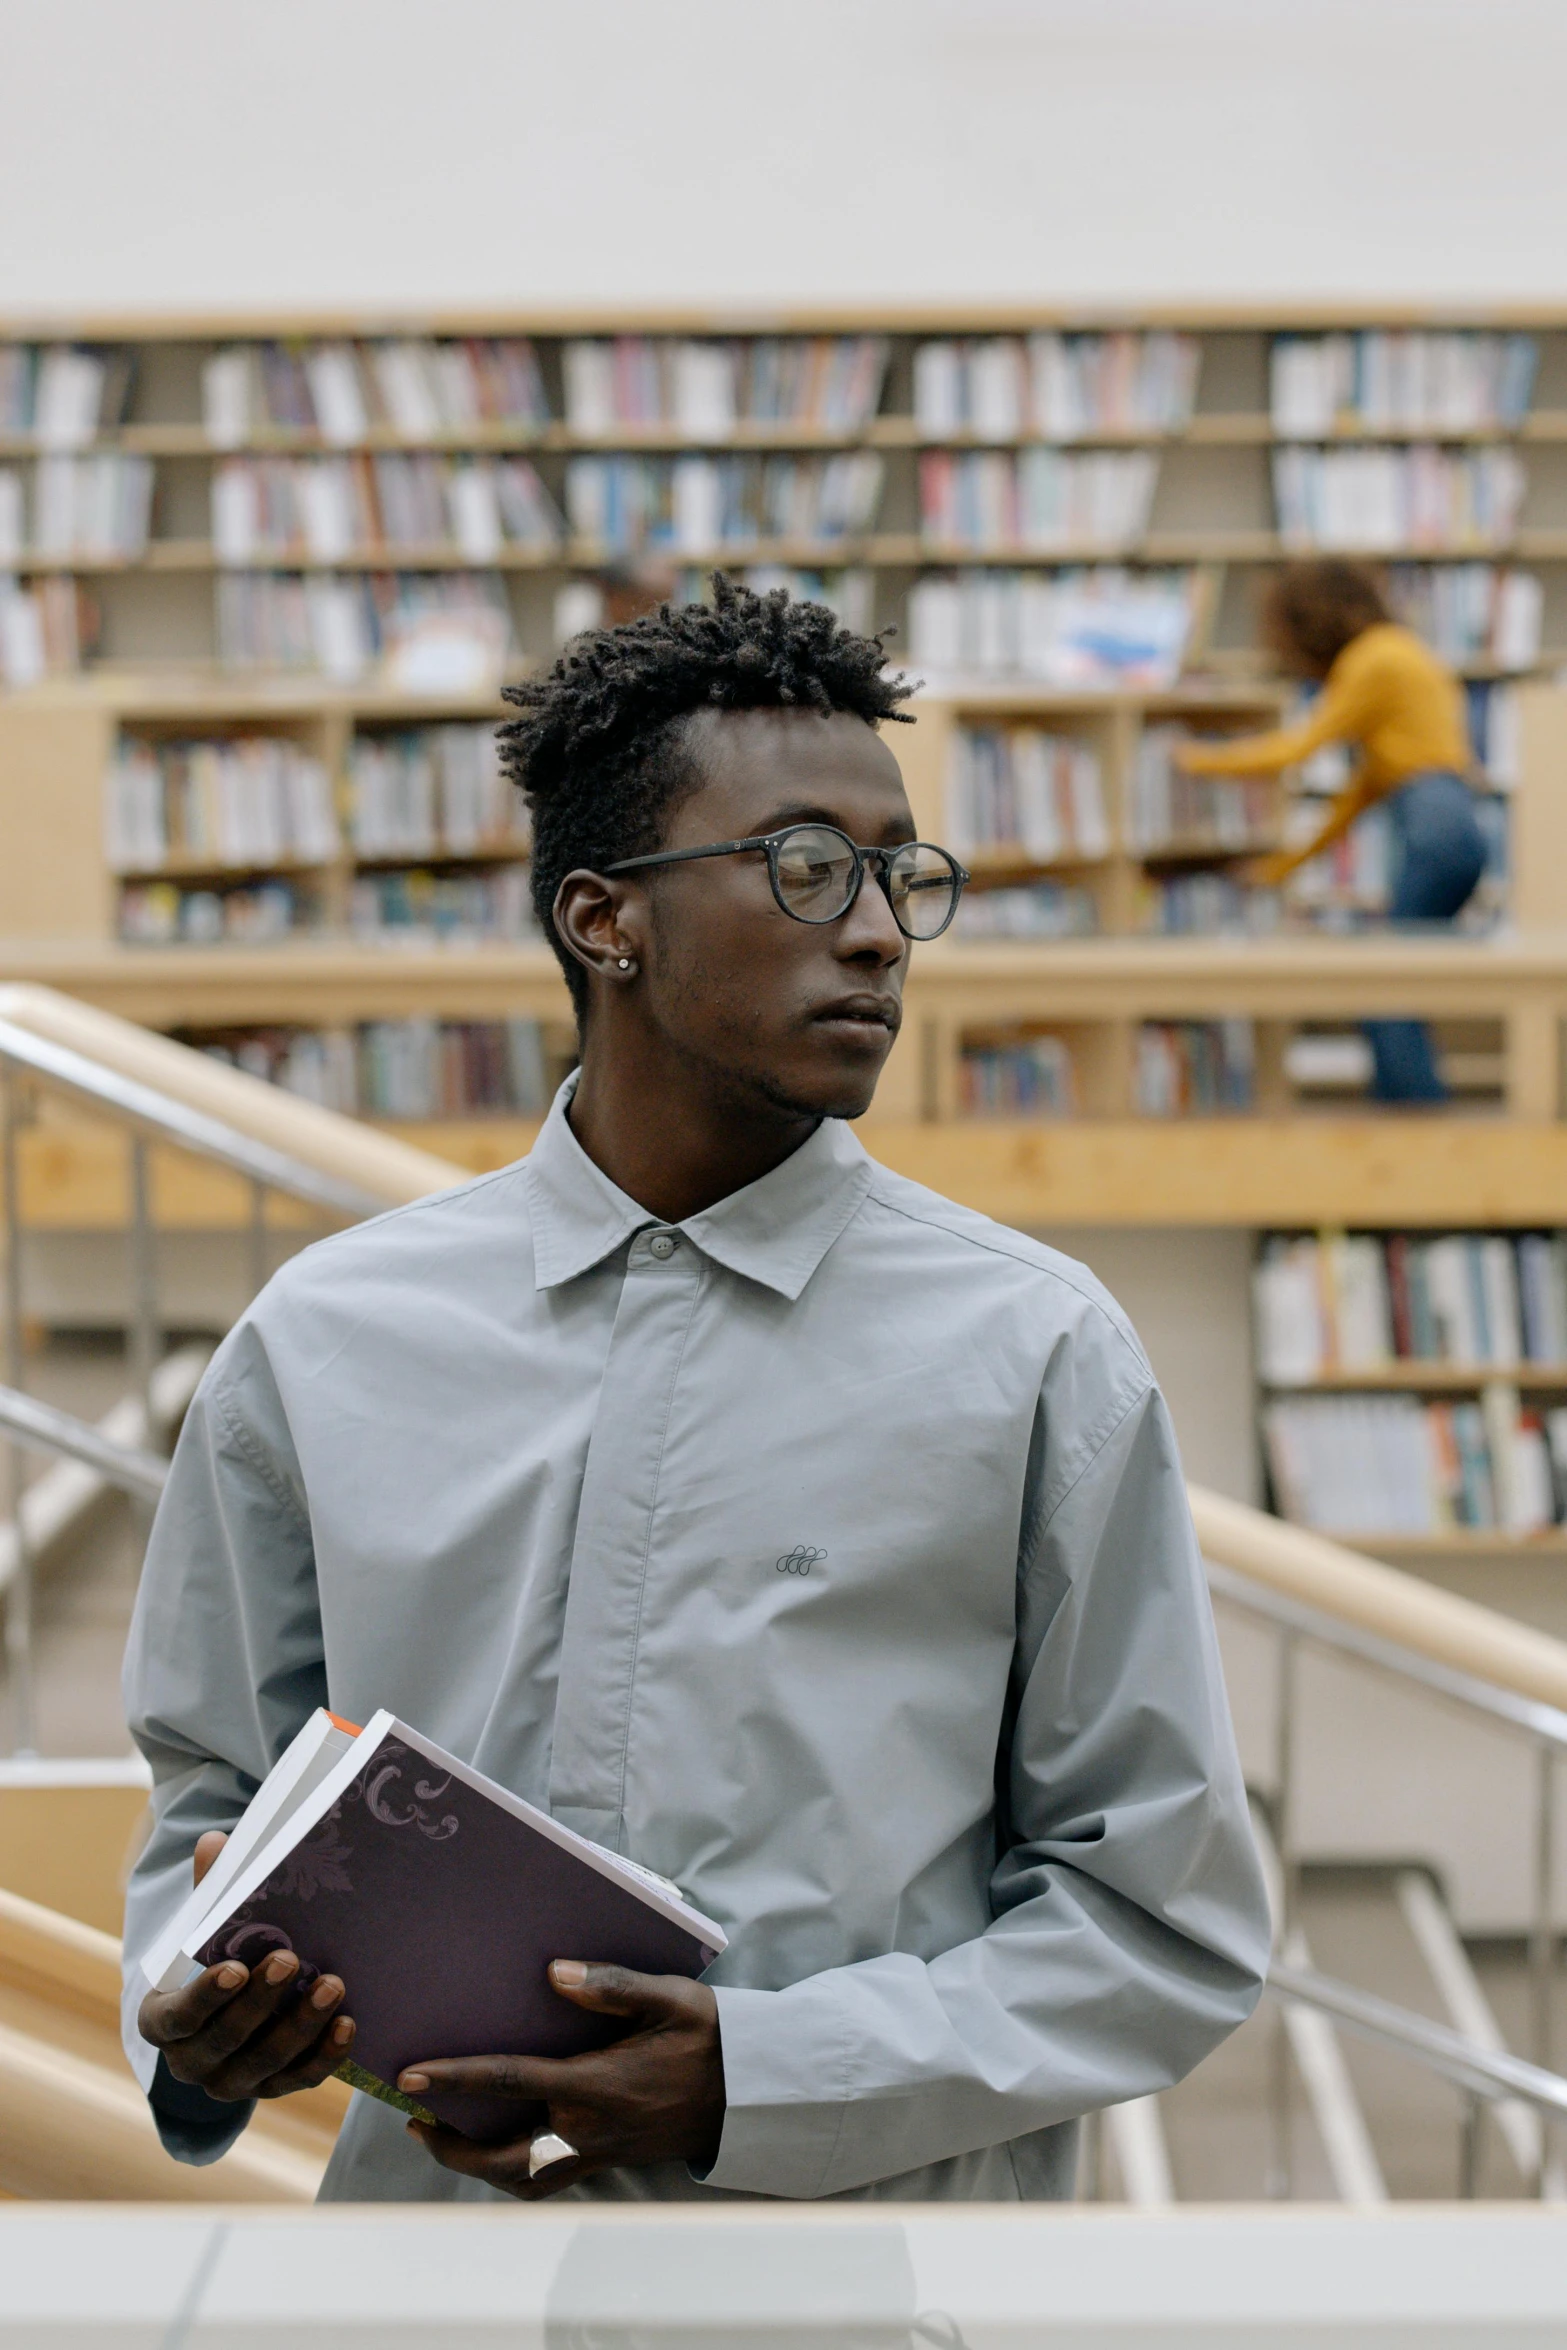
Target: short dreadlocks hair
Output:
[{"x": 600, "y": 753}]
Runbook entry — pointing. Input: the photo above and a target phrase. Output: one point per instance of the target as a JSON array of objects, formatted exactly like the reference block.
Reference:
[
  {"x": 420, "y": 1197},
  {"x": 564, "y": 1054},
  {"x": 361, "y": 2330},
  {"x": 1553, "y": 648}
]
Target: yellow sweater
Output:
[{"x": 1387, "y": 693}]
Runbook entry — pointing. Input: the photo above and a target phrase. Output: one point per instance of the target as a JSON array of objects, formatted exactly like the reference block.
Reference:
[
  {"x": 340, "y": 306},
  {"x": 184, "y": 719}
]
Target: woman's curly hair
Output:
[{"x": 599, "y": 751}]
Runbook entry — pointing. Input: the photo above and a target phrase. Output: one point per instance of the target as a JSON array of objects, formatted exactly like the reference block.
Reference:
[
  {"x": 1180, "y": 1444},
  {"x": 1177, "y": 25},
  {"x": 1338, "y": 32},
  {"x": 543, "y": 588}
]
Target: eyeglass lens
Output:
[{"x": 816, "y": 870}]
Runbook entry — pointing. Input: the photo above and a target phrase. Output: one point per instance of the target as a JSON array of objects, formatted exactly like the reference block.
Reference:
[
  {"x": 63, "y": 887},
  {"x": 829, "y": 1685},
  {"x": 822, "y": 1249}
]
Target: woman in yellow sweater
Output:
[{"x": 1384, "y": 692}]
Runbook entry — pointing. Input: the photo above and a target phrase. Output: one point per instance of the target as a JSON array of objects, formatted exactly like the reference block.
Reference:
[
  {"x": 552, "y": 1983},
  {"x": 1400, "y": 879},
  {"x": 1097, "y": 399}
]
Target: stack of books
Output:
[
  {"x": 418, "y": 908},
  {"x": 1336, "y": 1302},
  {"x": 1088, "y": 627},
  {"x": 332, "y": 508},
  {"x": 703, "y": 390},
  {"x": 399, "y": 1068},
  {"x": 280, "y": 620},
  {"x": 1205, "y": 905},
  {"x": 1061, "y": 387},
  {"x": 246, "y": 800},
  {"x": 433, "y": 791},
  {"x": 1025, "y": 1077},
  {"x": 1390, "y": 1464},
  {"x": 1472, "y": 611},
  {"x": 1169, "y": 811},
  {"x": 1389, "y": 499},
  {"x": 1381, "y": 381},
  {"x": 1041, "y": 909},
  {"x": 42, "y": 628},
  {"x": 161, "y": 914},
  {"x": 62, "y": 396},
  {"x": 1024, "y": 793},
  {"x": 1184, "y": 1068},
  {"x": 97, "y": 507},
  {"x": 691, "y": 505},
  {"x": 1039, "y": 499},
  {"x": 343, "y": 392}
]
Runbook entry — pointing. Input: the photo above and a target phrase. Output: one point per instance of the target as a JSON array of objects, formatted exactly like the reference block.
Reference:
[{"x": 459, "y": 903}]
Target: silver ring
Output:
[{"x": 546, "y": 2149}]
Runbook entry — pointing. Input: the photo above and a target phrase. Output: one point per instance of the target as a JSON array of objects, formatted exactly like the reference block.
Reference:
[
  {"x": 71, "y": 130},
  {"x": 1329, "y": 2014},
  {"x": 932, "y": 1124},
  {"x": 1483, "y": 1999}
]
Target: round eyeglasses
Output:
[{"x": 817, "y": 872}]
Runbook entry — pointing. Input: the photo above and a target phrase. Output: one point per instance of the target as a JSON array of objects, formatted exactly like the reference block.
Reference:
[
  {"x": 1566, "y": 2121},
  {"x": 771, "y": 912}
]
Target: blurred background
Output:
[{"x": 1185, "y": 382}]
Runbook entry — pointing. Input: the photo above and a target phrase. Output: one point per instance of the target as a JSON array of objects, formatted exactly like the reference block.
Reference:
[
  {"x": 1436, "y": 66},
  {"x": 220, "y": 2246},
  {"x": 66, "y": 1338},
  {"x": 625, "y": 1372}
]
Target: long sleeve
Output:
[
  {"x": 224, "y": 1664},
  {"x": 1344, "y": 710},
  {"x": 1130, "y": 1926}
]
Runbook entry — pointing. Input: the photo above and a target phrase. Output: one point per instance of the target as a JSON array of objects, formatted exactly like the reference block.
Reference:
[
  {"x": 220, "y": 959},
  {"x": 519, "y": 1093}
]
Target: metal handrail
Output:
[
  {"x": 1545, "y": 1722},
  {"x": 1480, "y": 2072},
  {"x": 43, "y": 1428},
  {"x": 153, "y": 1114}
]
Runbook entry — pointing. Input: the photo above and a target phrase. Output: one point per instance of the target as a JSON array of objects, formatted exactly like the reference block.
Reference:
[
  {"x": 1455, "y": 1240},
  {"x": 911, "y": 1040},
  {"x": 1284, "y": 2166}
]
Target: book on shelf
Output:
[
  {"x": 414, "y": 1069},
  {"x": 1374, "y": 499},
  {"x": 249, "y": 800},
  {"x": 432, "y": 791},
  {"x": 165, "y": 913},
  {"x": 692, "y": 504},
  {"x": 1036, "y": 909},
  {"x": 438, "y": 1897},
  {"x": 334, "y": 508},
  {"x": 1389, "y": 1464},
  {"x": 1495, "y": 715},
  {"x": 1472, "y": 611},
  {"x": 1186, "y": 1068},
  {"x": 1169, "y": 810},
  {"x": 44, "y": 626},
  {"x": 1027, "y": 791},
  {"x": 1042, "y": 499},
  {"x": 340, "y": 391},
  {"x": 416, "y": 908},
  {"x": 1396, "y": 381},
  {"x": 1023, "y": 1077},
  {"x": 703, "y": 389},
  {"x": 98, "y": 507},
  {"x": 1087, "y": 626},
  {"x": 62, "y": 395},
  {"x": 1203, "y": 904},
  {"x": 342, "y": 626},
  {"x": 1062, "y": 387},
  {"x": 1335, "y": 1302}
]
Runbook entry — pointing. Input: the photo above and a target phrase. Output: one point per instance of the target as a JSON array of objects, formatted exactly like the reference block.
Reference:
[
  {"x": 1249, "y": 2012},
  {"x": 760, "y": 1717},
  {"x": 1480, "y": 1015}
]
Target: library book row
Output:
[
  {"x": 1390, "y": 1465},
  {"x": 102, "y": 508},
  {"x": 415, "y": 1069},
  {"x": 1335, "y": 1305},
  {"x": 1049, "y": 385}
]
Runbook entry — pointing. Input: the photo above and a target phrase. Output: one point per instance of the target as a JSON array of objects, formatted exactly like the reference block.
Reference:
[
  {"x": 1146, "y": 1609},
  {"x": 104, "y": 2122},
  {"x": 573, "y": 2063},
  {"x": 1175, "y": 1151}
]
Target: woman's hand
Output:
[{"x": 1269, "y": 872}]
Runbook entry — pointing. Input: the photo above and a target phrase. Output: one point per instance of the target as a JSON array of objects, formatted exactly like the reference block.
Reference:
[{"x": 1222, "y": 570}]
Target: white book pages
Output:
[
  {"x": 939, "y": 406},
  {"x": 475, "y": 511},
  {"x": 70, "y": 387},
  {"x": 335, "y": 388},
  {"x": 13, "y": 515},
  {"x": 588, "y": 370}
]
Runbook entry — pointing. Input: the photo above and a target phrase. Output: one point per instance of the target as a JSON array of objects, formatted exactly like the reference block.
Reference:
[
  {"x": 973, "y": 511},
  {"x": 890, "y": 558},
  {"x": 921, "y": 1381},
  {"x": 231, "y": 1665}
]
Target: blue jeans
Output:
[{"x": 1438, "y": 858}]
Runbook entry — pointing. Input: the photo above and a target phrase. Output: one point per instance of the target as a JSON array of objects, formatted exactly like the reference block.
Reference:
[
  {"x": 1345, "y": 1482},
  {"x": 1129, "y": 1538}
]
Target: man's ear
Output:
[{"x": 603, "y": 924}]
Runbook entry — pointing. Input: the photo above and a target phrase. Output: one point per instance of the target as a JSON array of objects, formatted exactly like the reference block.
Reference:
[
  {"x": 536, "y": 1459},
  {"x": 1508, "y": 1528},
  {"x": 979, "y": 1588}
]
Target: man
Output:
[{"x": 802, "y": 1536}]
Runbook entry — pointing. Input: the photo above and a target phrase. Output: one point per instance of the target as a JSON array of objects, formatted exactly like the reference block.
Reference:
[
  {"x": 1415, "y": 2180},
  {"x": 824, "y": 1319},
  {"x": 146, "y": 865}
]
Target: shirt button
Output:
[{"x": 662, "y": 1245}]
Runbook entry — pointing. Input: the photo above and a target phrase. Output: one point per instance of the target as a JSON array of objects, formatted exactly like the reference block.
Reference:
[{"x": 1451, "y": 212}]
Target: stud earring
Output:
[{"x": 625, "y": 962}]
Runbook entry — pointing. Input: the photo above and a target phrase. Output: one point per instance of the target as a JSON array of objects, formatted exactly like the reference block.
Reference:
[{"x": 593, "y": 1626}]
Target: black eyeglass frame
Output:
[{"x": 879, "y": 860}]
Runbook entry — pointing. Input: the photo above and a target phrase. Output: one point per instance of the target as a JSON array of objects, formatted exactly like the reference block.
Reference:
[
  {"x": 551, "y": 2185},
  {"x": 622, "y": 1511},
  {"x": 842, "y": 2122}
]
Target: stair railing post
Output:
[
  {"x": 19, "y": 1596},
  {"x": 1542, "y": 1951},
  {"x": 143, "y": 1285},
  {"x": 1470, "y": 2122},
  {"x": 258, "y": 1237},
  {"x": 1281, "y": 2169}
]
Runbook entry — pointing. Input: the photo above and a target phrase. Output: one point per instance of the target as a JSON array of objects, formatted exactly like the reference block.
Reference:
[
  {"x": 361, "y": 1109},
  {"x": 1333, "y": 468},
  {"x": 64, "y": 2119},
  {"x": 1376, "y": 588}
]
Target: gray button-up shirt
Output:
[{"x": 828, "y": 1553}]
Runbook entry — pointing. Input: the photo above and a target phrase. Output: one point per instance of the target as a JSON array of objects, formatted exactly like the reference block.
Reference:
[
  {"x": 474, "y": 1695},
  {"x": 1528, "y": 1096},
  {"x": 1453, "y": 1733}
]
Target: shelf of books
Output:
[
  {"x": 1052, "y": 500},
  {"x": 1414, "y": 1386}
]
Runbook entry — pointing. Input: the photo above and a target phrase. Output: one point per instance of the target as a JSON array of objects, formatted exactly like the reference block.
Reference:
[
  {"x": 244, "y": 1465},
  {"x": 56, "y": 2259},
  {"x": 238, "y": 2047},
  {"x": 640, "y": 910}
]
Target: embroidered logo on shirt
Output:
[{"x": 800, "y": 1560}]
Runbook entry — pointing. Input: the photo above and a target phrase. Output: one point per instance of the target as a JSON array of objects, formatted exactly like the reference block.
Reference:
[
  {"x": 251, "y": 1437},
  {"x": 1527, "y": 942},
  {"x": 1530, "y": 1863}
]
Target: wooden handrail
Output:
[
  {"x": 393, "y": 1171},
  {"x": 1405, "y": 1609}
]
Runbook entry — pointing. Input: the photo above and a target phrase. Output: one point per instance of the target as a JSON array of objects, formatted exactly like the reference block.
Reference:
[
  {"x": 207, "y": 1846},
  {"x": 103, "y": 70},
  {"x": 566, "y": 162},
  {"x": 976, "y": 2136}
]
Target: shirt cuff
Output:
[
  {"x": 194, "y": 2127},
  {"x": 785, "y": 2087}
]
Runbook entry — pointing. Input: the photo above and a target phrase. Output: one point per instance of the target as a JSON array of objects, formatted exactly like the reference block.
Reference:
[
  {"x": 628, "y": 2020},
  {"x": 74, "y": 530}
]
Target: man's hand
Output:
[
  {"x": 239, "y": 2035},
  {"x": 655, "y": 2096}
]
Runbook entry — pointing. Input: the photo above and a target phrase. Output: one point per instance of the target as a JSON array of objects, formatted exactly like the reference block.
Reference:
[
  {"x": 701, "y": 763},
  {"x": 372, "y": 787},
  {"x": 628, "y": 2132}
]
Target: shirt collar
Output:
[{"x": 776, "y": 1231}]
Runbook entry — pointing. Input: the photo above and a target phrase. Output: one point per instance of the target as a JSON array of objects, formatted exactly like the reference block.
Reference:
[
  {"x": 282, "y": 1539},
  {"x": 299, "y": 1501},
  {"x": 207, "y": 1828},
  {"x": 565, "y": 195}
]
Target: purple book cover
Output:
[{"x": 441, "y": 1911}]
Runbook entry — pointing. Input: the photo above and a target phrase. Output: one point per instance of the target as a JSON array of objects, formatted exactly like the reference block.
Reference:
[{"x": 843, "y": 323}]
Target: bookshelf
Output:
[{"x": 158, "y": 466}]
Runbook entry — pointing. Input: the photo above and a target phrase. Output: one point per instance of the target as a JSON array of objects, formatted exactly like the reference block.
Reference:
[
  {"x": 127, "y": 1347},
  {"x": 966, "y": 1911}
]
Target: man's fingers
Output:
[
  {"x": 617, "y": 1990},
  {"x": 318, "y": 2065},
  {"x": 533, "y": 2078},
  {"x": 169, "y": 2016},
  {"x": 278, "y": 2044},
  {"x": 505, "y": 2167},
  {"x": 207, "y": 1849}
]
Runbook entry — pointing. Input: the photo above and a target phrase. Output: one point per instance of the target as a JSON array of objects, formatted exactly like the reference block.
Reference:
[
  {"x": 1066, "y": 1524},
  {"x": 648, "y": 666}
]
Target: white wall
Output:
[{"x": 168, "y": 154}]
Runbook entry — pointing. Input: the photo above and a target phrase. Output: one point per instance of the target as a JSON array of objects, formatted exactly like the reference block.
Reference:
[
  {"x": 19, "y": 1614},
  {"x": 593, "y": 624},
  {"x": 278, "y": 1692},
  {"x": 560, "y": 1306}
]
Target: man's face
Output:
[{"x": 799, "y": 1015}]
